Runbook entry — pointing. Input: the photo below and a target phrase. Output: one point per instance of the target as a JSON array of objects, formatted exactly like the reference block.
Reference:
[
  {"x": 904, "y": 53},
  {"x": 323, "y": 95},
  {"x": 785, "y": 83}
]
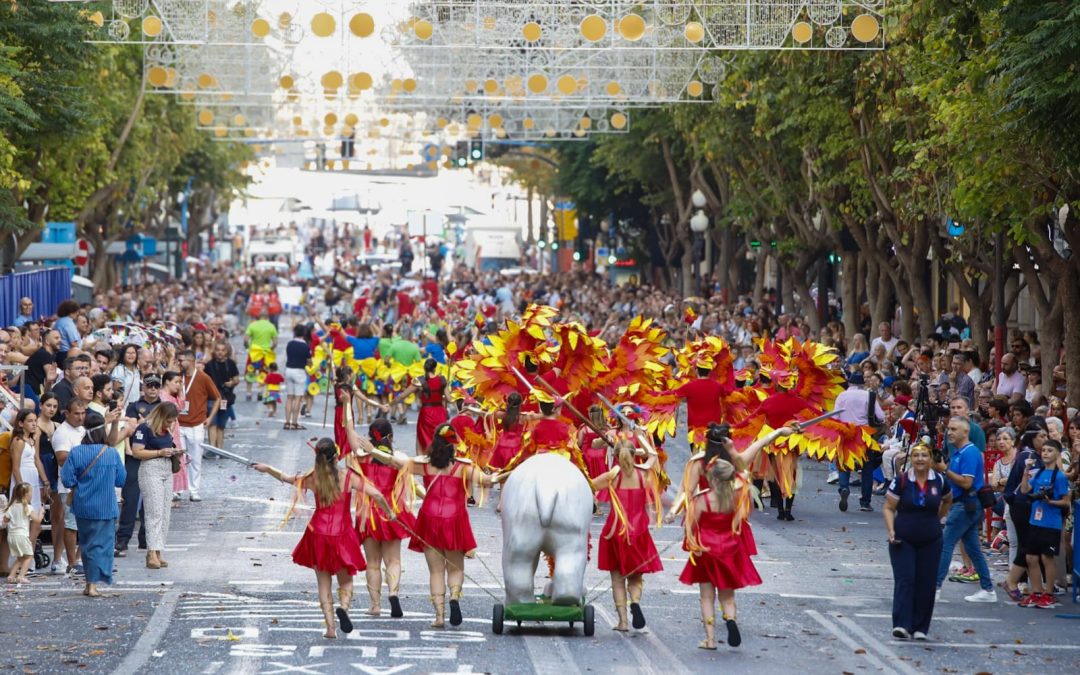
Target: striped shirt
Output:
[{"x": 95, "y": 494}]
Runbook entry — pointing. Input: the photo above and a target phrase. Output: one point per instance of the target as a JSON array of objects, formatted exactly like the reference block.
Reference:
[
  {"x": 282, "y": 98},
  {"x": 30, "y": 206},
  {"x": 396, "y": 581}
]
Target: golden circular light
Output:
[
  {"x": 205, "y": 117},
  {"x": 567, "y": 85},
  {"x": 473, "y": 121},
  {"x": 362, "y": 25},
  {"x": 632, "y": 27},
  {"x": 323, "y": 24},
  {"x": 865, "y": 28},
  {"x": 327, "y": 131},
  {"x": 332, "y": 80},
  {"x": 409, "y": 85},
  {"x": 495, "y": 121},
  {"x": 157, "y": 76},
  {"x": 491, "y": 86},
  {"x": 260, "y": 28},
  {"x": 613, "y": 88},
  {"x": 802, "y": 32},
  {"x": 585, "y": 123},
  {"x": 171, "y": 77},
  {"x": 470, "y": 86},
  {"x": 187, "y": 96},
  {"x": 225, "y": 97},
  {"x": 286, "y": 82},
  {"x": 297, "y": 120},
  {"x": 538, "y": 83},
  {"x": 205, "y": 81},
  {"x": 284, "y": 20},
  {"x": 423, "y": 29},
  {"x": 360, "y": 81},
  {"x": 694, "y": 32},
  {"x": 384, "y": 122},
  {"x": 528, "y": 123},
  {"x": 550, "y": 132},
  {"x": 695, "y": 88},
  {"x": 239, "y": 120},
  {"x": 579, "y": 133},
  {"x": 220, "y": 131},
  {"x": 618, "y": 120},
  {"x": 98, "y": 19},
  {"x": 151, "y": 26},
  {"x": 351, "y": 119},
  {"x": 441, "y": 122},
  {"x": 330, "y": 119},
  {"x": 488, "y": 23},
  {"x": 532, "y": 31},
  {"x": 249, "y": 132},
  {"x": 395, "y": 86},
  {"x": 593, "y": 28},
  {"x": 453, "y": 129}
]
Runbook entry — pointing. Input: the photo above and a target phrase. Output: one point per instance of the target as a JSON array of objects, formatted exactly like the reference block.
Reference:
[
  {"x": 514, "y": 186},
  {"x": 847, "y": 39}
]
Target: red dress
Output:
[
  {"x": 726, "y": 563},
  {"x": 633, "y": 551},
  {"x": 595, "y": 458},
  {"x": 330, "y": 543},
  {"x": 432, "y": 411},
  {"x": 508, "y": 445},
  {"x": 374, "y": 523},
  {"x": 443, "y": 521},
  {"x": 341, "y": 436}
]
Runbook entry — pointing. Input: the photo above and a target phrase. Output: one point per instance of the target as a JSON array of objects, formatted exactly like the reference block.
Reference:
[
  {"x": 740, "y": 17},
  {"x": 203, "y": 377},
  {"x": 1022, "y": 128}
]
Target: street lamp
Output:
[
  {"x": 699, "y": 222},
  {"x": 698, "y": 199}
]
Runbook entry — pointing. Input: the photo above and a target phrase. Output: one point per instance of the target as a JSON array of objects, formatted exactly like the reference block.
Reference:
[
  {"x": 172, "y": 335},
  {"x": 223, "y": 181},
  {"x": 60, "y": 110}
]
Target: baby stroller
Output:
[{"x": 42, "y": 560}]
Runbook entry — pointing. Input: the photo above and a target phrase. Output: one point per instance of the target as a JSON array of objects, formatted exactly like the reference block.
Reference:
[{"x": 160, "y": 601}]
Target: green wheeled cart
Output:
[{"x": 542, "y": 610}]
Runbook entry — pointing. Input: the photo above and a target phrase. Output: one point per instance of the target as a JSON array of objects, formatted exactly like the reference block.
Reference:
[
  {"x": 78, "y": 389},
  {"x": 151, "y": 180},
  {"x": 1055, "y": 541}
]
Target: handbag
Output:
[
  {"x": 70, "y": 501},
  {"x": 986, "y": 496},
  {"x": 174, "y": 461}
]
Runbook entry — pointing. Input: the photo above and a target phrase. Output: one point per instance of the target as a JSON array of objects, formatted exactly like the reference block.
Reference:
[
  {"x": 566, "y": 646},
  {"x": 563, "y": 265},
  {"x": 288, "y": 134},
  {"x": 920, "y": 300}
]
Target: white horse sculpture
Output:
[{"x": 546, "y": 507}]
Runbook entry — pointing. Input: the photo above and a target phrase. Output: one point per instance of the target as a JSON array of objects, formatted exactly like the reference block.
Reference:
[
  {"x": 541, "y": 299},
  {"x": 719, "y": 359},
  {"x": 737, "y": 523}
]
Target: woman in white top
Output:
[
  {"x": 127, "y": 373},
  {"x": 25, "y": 464}
]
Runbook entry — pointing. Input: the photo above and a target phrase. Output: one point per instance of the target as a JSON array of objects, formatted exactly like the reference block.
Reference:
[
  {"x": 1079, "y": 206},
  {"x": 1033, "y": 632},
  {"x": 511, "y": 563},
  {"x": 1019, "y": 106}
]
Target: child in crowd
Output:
[
  {"x": 274, "y": 380},
  {"x": 18, "y": 518},
  {"x": 1048, "y": 489}
]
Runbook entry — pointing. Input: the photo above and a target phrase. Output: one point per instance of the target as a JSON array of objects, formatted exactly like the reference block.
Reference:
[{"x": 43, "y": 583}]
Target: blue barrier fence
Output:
[{"x": 47, "y": 288}]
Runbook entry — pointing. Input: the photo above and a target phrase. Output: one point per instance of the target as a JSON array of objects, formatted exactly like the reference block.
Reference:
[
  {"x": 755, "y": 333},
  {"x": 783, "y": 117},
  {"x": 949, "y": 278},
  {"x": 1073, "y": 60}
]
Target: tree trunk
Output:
[
  {"x": 907, "y": 313},
  {"x": 920, "y": 294},
  {"x": 726, "y": 244},
  {"x": 759, "y": 277},
  {"x": 849, "y": 293},
  {"x": 529, "y": 217},
  {"x": 881, "y": 307},
  {"x": 686, "y": 272}
]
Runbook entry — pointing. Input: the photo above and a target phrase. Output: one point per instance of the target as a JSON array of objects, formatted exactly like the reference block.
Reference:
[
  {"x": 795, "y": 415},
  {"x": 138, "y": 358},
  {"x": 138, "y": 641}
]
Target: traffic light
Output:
[
  {"x": 461, "y": 154},
  {"x": 476, "y": 150},
  {"x": 348, "y": 145},
  {"x": 755, "y": 243}
]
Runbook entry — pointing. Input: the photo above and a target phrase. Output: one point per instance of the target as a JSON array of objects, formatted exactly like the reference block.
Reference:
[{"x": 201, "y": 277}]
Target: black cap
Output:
[{"x": 152, "y": 381}]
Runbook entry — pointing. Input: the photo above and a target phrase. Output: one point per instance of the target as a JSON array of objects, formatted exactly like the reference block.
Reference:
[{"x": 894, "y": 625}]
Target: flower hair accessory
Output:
[{"x": 448, "y": 434}]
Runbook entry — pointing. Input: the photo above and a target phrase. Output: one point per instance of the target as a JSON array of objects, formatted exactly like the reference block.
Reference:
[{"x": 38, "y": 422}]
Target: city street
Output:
[{"x": 232, "y": 601}]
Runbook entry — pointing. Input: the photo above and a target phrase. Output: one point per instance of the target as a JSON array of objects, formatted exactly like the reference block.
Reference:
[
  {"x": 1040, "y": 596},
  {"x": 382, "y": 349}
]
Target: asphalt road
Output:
[{"x": 232, "y": 601}]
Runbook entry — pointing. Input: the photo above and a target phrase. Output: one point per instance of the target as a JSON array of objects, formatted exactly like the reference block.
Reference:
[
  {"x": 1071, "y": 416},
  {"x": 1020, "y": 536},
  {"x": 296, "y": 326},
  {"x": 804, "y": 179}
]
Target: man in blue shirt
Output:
[
  {"x": 26, "y": 312},
  {"x": 965, "y": 473}
]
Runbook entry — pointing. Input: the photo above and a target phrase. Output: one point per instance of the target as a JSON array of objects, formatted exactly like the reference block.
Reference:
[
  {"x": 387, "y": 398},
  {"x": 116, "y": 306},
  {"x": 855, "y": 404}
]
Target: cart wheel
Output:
[
  {"x": 590, "y": 625},
  {"x": 41, "y": 560},
  {"x": 497, "y": 620},
  {"x": 519, "y": 624}
]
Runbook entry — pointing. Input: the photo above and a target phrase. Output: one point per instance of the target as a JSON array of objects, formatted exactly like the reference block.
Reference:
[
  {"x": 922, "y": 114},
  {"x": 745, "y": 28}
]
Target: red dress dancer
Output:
[
  {"x": 725, "y": 561},
  {"x": 443, "y": 522},
  {"x": 508, "y": 444},
  {"x": 330, "y": 543},
  {"x": 342, "y": 416},
  {"x": 629, "y": 552},
  {"x": 702, "y": 407},
  {"x": 432, "y": 411},
  {"x": 376, "y": 524}
]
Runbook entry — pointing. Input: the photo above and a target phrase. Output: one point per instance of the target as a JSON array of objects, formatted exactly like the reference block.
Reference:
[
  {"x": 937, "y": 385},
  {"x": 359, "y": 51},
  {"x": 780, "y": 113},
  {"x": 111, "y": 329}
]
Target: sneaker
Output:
[
  {"x": 1046, "y": 601},
  {"x": 938, "y": 598},
  {"x": 901, "y": 633},
  {"x": 1058, "y": 590},
  {"x": 120, "y": 552},
  {"x": 1011, "y": 594},
  {"x": 919, "y": 635},
  {"x": 55, "y": 569},
  {"x": 1001, "y": 540},
  {"x": 76, "y": 571},
  {"x": 1030, "y": 600},
  {"x": 195, "y": 497},
  {"x": 866, "y": 508},
  {"x": 176, "y": 496},
  {"x": 844, "y": 494},
  {"x": 982, "y": 595},
  {"x": 966, "y": 575},
  {"x": 833, "y": 479}
]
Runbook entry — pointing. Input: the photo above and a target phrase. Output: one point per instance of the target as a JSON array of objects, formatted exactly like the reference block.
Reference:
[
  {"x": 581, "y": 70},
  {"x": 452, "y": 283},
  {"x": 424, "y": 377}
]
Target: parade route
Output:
[{"x": 232, "y": 602}]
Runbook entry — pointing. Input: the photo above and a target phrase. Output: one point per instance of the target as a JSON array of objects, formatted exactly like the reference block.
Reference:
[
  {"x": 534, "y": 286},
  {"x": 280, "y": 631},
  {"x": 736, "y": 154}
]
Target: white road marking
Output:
[
  {"x": 150, "y": 584},
  {"x": 847, "y": 640},
  {"x": 875, "y": 644},
  {"x": 984, "y": 645},
  {"x": 643, "y": 662},
  {"x": 256, "y": 582},
  {"x": 213, "y": 667},
  {"x": 550, "y": 655},
  {"x": 965, "y": 619},
  {"x": 253, "y": 549},
  {"x": 152, "y": 633}
]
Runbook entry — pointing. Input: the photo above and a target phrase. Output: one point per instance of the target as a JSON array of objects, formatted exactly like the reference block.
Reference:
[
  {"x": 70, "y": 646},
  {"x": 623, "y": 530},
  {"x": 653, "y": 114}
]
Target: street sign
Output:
[{"x": 82, "y": 252}]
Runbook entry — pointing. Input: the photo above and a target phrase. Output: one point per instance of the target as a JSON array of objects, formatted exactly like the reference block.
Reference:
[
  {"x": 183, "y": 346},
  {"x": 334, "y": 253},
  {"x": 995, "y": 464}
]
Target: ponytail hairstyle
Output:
[
  {"x": 513, "y": 410},
  {"x": 381, "y": 433},
  {"x": 327, "y": 480},
  {"x": 716, "y": 441},
  {"x": 721, "y": 478},
  {"x": 596, "y": 416},
  {"x": 624, "y": 454},
  {"x": 344, "y": 377},
  {"x": 547, "y": 408},
  {"x": 429, "y": 371},
  {"x": 441, "y": 450}
]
